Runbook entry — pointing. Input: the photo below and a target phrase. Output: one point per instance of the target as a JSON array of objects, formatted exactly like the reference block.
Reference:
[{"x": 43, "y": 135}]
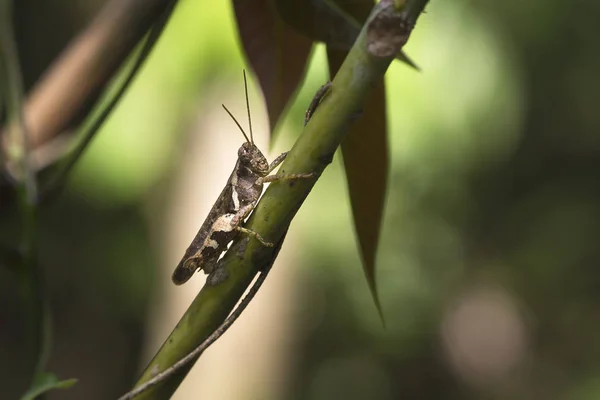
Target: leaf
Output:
[
  {"x": 334, "y": 22},
  {"x": 44, "y": 382},
  {"x": 277, "y": 53},
  {"x": 365, "y": 154}
]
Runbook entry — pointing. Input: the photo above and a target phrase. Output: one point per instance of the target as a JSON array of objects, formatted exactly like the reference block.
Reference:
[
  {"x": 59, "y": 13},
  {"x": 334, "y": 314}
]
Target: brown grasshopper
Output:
[{"x": 233, "y": 206}]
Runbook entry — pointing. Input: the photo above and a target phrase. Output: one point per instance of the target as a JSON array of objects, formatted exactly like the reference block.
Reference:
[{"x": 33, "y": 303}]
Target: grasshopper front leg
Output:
[
  {"x": 280, "y": 177},
  {"x": 276, "y": 162}
]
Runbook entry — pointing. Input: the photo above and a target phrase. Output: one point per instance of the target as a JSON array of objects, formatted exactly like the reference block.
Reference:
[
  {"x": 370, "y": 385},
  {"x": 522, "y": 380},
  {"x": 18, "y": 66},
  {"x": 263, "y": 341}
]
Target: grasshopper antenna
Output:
[
  {"x": 237, "y": 123},
  {"x": 248, "y": 107}
]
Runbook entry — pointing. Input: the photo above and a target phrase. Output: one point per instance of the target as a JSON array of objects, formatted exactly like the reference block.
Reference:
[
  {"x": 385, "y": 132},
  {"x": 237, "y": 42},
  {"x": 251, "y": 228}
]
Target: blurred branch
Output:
[
  {"x": 17, "y": 164},
  {"x": 76, "y": 78},
  {"x": 388, "y": 29},
  {"x": 57, "y": 182},
  {"x": 16, "y": 137}
]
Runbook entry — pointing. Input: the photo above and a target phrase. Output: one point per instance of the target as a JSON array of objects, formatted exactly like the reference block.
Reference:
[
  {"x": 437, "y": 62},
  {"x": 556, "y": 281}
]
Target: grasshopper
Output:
[{"x": 233, "y": 206}]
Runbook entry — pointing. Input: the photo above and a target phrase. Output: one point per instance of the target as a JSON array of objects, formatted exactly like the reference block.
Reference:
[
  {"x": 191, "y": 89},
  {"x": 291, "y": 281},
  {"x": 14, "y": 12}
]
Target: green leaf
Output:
[
  {"x": 365, "y": 154},
  {"x": 277, "y": 53},
  {"x": 334, "y": 22},
  {"x": 44, "y": 382}
]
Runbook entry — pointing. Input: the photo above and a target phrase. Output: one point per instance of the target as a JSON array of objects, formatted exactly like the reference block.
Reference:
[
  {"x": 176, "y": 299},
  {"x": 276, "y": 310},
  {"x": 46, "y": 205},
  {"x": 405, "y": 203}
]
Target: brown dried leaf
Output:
[
  {"x": 365, "y": 153},
  {"x": 319, "y": 21},
  {"x": 334, "y": 22},
  {"x": 277, "y": 53}
]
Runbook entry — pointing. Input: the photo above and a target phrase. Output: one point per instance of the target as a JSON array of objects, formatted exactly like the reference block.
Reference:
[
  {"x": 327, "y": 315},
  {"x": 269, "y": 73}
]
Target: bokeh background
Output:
[{"x": 489, "y": 261}]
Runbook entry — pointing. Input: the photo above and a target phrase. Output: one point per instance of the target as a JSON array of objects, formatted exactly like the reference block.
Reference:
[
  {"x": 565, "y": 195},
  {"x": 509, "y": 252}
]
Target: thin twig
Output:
[
  {"x": 204, "y": 345},
  {"x": 58, "y": 181}
]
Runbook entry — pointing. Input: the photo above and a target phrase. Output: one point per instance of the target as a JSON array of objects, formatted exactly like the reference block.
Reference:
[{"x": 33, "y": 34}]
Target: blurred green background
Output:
[{"x": 489, "y": 262}]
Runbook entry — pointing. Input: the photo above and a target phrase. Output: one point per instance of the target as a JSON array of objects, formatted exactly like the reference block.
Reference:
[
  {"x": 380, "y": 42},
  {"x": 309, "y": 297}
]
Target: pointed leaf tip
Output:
[{"x": 365, "y": 155}]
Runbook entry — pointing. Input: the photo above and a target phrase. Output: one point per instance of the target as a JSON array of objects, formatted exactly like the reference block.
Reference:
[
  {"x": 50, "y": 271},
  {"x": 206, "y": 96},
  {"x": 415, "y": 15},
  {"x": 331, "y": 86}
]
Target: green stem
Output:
[{"x": 312, "y": 152}]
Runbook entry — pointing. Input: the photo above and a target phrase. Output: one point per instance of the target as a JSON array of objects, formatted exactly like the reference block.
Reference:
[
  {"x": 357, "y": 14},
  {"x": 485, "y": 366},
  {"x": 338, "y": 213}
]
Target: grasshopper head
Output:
[{"x": 252, "y": 158}]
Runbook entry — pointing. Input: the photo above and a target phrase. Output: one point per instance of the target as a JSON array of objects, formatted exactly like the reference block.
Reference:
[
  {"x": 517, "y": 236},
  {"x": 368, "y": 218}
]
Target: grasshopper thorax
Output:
[{"x": 252, "y": 158}]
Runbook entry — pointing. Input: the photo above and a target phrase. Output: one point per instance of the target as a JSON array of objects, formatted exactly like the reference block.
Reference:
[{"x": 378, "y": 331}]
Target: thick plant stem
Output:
[{"x": 313, "y": 151}]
